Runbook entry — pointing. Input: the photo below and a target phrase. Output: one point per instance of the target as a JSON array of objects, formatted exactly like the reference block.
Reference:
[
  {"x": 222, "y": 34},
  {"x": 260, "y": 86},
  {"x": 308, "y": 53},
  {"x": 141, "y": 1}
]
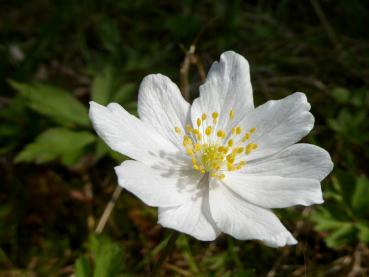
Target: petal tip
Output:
[
  {"x": 280, "y": 240},
  {"x": 232, "y": 55},
  {"x": 93, "y": 104}
]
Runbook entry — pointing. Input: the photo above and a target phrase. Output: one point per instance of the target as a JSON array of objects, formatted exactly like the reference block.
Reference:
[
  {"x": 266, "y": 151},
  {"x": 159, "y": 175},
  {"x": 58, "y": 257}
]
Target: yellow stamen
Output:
[
  {"x": 221, "y": 134},
  {"x": 246, "y": 137},
  {"x": 230, "y": 143},
  {"x": 231, "y": 114},
  {"x": 213, "y": 155}
]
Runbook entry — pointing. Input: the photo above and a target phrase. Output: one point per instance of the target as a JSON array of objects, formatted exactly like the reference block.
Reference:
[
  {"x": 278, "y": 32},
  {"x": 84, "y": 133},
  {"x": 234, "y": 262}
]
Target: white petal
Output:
[
  {"x": 297, "y": 161},
  {"x": 160, "y": 103},
  {"x": 227, "y": 87},
  {"x": 158, "y": 187},
  {"x": 244, "y": 220},
  {"x": 275, "y": 191},
  {"x": 193, "y": 217},
  {"x": 279, "y": 124},
  {"x": 130, "y": 136}
]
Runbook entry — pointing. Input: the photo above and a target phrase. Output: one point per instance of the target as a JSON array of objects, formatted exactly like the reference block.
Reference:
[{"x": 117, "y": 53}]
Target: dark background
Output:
[{"x": 56, "y": 176}]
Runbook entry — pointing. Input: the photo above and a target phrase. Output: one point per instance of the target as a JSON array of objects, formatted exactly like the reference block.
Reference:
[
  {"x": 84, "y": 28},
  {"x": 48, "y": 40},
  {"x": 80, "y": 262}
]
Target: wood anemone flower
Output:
[{"x": 220, "y": 165}]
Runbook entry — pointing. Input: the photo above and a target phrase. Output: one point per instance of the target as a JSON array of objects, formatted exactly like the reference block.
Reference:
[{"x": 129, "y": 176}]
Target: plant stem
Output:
[
  {"x": 108, "y": 209},
  {"x": 166, "y": 252}
]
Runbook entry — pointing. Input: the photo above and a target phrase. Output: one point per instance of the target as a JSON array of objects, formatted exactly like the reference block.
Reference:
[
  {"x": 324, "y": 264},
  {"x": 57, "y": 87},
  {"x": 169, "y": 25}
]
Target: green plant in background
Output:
[
  {"x": 344, "y": 220},
  {"x": 104, "y": 258},
  {"x": 70, "y": 138},
  {"x": 291, "y": 45}
]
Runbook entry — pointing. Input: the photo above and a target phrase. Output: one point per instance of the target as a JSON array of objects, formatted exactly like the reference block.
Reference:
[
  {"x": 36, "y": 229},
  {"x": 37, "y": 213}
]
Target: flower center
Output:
[{"x": 212, "y": 150}]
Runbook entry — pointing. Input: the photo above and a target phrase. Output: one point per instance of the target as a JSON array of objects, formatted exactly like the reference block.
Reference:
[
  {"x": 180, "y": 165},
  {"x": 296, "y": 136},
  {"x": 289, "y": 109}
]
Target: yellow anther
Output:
[
  {"x": 212, "y": 156},
  {"x": 221, "y": 134},
  {"x": 216, "y": 166},
  {"x": 230, "y": 158},
  {"x": 231, "y": 114},
  {"x": 186, "y": 140},
  {"x": 246, "y": 137},
  {"x": 248, "y": 149},
  {"x": 230, "y": 166},
  {"x": 215, "y": 115},
  {"x": 230, "y": 143},
  {"x": 189, "y": 128}
]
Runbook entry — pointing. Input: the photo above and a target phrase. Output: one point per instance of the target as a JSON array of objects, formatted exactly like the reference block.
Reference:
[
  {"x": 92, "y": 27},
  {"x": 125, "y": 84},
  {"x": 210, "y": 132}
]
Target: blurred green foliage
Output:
[
  {"x": 57, "y": 175},
  {"x": 104, "y": 259}
]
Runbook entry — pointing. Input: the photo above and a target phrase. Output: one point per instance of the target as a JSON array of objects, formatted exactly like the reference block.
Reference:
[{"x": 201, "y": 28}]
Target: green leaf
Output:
[
  {"x": 102, "y": 86},
  {"x": 359, "y": 199},
  {"x": 363, "y": 231},
  {"x": 341, "y": 95},
  {"x": 55, "y": 103},
  {"x": 56, "y": 143},
  {"x": 108, "y": 257},
  {"x": 324, "y": 219},
  {"x": 345, "y": 234},
  {"x": 105, "y": 88},
  {"x": 82, "y": 267}
]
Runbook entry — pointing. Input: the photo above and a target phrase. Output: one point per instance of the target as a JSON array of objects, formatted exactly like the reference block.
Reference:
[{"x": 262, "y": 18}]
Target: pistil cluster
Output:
[{"x": 212, "y": 150}]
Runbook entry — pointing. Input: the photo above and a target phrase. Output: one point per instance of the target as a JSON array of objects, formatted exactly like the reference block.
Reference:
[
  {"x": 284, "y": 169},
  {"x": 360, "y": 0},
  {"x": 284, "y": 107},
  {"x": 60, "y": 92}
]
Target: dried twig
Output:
[
  {"x": 184, "y": 71},
  {"x": 190, "y": 59},
  {"x": 357, "y": 269},
  {"x": 177, "y": 269},
  {"x": 108, "y": 209}
]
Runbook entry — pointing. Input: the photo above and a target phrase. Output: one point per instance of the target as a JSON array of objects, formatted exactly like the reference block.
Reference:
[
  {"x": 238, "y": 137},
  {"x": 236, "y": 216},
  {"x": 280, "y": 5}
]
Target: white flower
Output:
[{"x": 219, "y": 165}]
